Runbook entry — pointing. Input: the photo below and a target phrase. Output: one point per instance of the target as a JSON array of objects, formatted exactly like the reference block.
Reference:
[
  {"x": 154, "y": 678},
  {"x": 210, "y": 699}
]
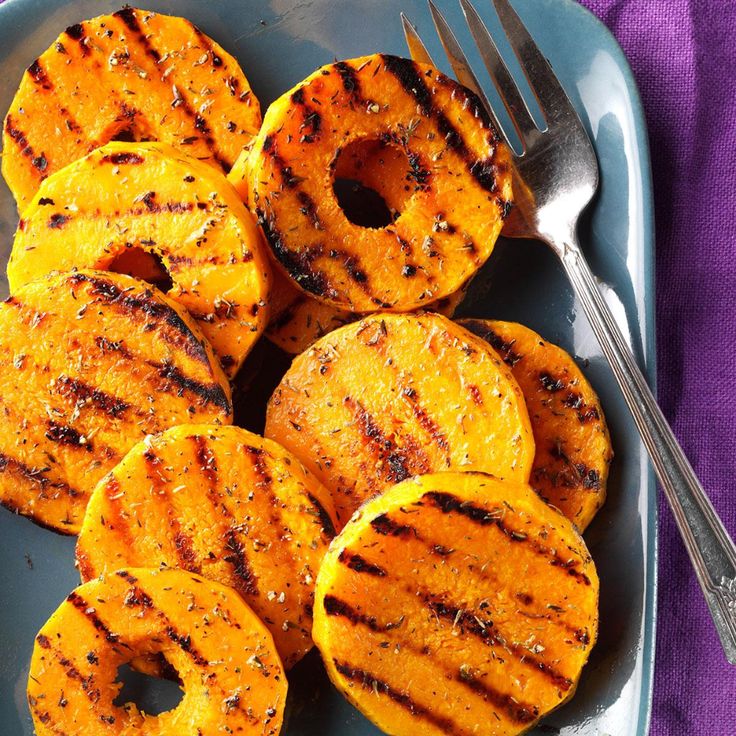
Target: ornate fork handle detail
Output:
[{"x": 711, "y": 550}]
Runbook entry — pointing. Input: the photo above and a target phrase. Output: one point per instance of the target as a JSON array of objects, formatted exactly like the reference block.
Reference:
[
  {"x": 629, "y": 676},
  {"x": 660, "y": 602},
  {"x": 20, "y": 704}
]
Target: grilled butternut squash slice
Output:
[
  {"x": 238, "y": 175},
  {"x": 573, "y": 447},
  {"x": 149, "y": 198},
  {"x": 297, "y": 320},
  {"x": 455, "y": 169},
  {"x": 132, "y": 75},
  {"x": 224, "y": 503},
  {"x": 232, "y": 677},
  {"x": 396, "y": 395},
  {"x": 456, "y": 604},
  {"x": 91, "y": 363}
]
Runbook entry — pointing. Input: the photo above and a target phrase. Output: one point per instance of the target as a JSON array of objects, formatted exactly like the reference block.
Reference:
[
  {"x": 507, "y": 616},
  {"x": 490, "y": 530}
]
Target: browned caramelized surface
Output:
[
  {"x": 91, "y": 363},
  {"x": 455, "y": 604},
  {"x": 449, "y": 196},
  {"x": 224, "y": 503},
  {"x": 132, "y": 75},
  {"x": 297, "y": 319},
  {"x": 230, "y": 672},
  {"x": 156, "y": 201},
  {"x": 396, "y": 395},
  {"x": 573, "y": 447}
]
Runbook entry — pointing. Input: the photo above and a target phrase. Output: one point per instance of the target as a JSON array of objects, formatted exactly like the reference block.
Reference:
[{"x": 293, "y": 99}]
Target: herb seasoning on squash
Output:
[
  {"x": 456, "y": 604},
  {"x": 90, "y": 364},
  {"x": 396, "y": 395},
  {"x": 227, "y": 504},
  {"x": 573, "y": 447},
  {"x": 224, "y": 656}
]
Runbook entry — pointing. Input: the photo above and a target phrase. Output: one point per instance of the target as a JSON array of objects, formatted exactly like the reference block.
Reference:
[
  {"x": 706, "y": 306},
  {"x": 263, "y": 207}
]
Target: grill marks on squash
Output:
[
  {"x": 466, "y": 621},
  {"x": 218, "y": 644},
  {"x": 224, "y": 503},
  {"x": 406, "y": 72},
  {"x": 369, "y": 682},
  {"x": 573, "y": 448},
  {"x": 312, "y": 126},
  {"x": 236, "y": 557},
  {"x": 449, "y": 504},
  {"x": 82, "y": 392},
  {"x": 447, "y": 609},
  {"x": 39, "y": 163},
  {"x": 129, "y": 18},
  {"x": 392, "y": 462},
  {"x": 156, "y": 474},
  {"x": 96, "y": 398},
  {"x": 210, "y": 109}
]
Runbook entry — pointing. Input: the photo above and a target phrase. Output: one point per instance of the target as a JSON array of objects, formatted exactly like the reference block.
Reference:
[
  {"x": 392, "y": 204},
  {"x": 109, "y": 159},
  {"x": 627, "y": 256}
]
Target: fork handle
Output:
[{"x": 712, "y": 551}]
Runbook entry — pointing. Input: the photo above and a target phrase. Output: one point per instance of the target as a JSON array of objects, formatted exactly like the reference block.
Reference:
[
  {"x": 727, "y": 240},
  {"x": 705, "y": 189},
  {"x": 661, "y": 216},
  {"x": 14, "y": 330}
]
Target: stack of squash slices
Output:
[{"x": 416, "y": 502}]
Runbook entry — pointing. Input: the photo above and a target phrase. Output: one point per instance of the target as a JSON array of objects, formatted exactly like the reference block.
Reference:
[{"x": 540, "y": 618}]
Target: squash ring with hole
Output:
[
  {"x": 231, "y": 674},
  {"x": 451, "y": 195},
  {"x": 152, "y": 200}
]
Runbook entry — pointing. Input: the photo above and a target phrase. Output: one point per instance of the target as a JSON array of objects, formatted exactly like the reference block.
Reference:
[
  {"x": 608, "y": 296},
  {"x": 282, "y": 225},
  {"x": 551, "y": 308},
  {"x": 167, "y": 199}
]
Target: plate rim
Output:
[{"x": 651, "y": 527}]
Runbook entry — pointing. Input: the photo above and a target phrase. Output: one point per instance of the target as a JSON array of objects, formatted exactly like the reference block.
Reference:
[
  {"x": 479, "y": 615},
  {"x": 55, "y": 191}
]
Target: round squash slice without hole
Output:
[
  {"x": 125, "y": 202},
  {"x": 444, "y": 176},
  {"x": 229, "y": 669},
  {"x": 396, "y": 395},
  {"x": 91, "y": 363},
  {"x": 573, "y": 447},
  {"x": 132, "y": 75},
  {"x": 297, "y": 320},
  {"x": 225, "y": 503},
  {"x": 456, "y": 604}
]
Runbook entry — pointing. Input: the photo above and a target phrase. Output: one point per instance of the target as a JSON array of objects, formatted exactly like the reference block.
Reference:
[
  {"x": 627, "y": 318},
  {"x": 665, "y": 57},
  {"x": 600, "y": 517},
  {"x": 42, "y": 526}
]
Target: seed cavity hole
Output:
[
  {"x": 371, "y": 182},
  {"x": 151, "y": 695},
  {"x": 142, "y": 264}
]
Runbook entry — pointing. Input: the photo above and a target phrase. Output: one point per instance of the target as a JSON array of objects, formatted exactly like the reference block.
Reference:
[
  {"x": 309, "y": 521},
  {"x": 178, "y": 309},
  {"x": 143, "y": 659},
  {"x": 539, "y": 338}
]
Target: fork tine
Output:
[
  {"x": 417, "y": 49},
  {"x": 509, "y": 93},
  {"x": 460, "y": 64},
  {"x": 552, "y": 98}
]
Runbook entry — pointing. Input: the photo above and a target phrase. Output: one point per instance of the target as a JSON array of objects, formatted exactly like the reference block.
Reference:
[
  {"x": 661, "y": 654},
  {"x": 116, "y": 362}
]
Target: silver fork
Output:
[{"x": 555, "y": 177}]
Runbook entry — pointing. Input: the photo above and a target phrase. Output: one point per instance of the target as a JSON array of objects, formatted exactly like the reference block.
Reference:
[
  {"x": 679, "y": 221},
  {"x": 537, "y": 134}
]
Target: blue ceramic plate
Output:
[{"x": 278, "y": 42}]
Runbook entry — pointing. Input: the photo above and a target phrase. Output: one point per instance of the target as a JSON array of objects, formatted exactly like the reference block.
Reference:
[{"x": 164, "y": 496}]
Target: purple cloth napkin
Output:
[{"x": 684, "y": 59}]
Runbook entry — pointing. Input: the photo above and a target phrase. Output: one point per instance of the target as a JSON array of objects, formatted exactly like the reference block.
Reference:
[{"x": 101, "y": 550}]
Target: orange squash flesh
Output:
[
  {"x": 297, "y": 320},
  {"x": 395, "y": 395},
  {"x": 449, "y": 221},
  {"x": 238, "y": 175},
  {"x": 131, "y": 75},
  {"x": 232, "y": 677},
  {"x": 91, "y": 363},
  {"x": 152, "y": 198},
  {"x": 573, "y": 447},
  {"x": 455, "y": 604},
  {"x": 222, "y": 502}
]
